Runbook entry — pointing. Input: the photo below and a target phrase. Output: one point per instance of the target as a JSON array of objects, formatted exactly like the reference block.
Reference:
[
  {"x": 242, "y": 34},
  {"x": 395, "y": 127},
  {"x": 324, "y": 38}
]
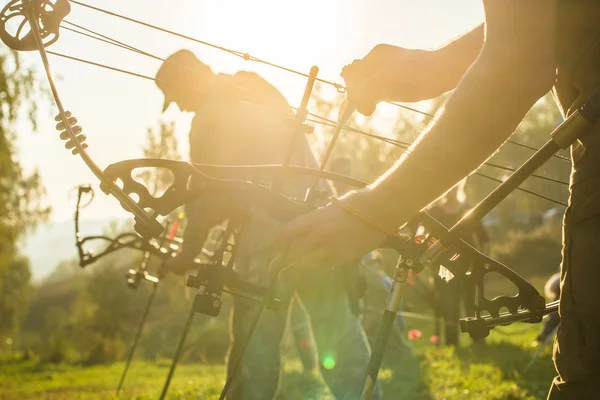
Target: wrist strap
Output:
[{"x": 364, "y": 217}]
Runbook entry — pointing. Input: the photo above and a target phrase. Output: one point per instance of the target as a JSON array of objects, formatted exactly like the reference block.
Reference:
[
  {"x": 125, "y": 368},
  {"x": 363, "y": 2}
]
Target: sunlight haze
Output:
[{"x": 115, "y": 110}]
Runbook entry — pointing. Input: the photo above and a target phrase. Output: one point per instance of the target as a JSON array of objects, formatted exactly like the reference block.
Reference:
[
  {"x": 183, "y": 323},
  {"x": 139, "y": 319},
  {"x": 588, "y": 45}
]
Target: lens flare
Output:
[{"x": 328, "y": 362}]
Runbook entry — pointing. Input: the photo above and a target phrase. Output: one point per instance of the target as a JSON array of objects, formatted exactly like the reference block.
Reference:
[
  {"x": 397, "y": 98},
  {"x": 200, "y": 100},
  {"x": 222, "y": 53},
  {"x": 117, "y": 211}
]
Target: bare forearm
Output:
[
  {"x": 485, "y": 109},
  {"x": 456, "y": 57},
  {"x": 436, "y": 71}
]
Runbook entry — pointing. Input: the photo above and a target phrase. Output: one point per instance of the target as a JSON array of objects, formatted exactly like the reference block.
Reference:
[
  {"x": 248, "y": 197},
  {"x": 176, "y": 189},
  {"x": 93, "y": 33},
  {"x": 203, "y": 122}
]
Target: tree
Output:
[
  {"x": 14, "y": 293},
  {"x": 161, "y": 143},
  {"x": 20, "y": 194}
]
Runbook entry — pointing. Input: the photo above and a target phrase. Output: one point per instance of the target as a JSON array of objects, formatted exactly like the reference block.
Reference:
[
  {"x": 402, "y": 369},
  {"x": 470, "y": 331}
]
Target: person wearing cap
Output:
[{"x": 240, "y": 119}]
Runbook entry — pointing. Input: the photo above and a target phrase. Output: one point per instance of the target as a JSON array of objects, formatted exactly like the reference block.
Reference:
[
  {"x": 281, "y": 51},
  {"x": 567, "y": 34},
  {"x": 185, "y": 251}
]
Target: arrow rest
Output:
[{"x": 14, "y": 20}]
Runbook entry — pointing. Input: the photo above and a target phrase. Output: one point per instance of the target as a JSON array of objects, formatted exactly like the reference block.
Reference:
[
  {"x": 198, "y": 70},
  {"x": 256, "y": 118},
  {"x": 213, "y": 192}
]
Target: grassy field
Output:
[{"x": 489, "y": 371}]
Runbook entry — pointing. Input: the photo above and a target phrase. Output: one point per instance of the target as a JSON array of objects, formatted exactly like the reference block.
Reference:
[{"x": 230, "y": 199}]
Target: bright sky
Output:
[{"x": 115, "y": 110}]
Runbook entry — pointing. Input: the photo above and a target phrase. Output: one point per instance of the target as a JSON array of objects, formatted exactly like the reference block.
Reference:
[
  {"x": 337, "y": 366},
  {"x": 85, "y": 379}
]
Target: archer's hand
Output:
[
  {"x": 326, "y": 237},
  {"x": 389, "y": 73}
]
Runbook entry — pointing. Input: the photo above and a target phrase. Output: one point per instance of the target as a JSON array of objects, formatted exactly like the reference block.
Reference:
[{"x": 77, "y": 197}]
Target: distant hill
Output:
[{"x": 54, "y": 242}]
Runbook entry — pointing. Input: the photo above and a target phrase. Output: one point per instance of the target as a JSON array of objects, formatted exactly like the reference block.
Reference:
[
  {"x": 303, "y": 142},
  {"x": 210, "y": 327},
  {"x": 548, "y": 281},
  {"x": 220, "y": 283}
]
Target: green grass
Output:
[{"x": 490, "y": 371}]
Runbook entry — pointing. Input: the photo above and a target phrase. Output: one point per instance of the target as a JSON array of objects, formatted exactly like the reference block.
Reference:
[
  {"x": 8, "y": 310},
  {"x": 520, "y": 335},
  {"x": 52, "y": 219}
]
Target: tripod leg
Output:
[
  {"x": 137, "y": 338},
  {"x": 385, "y": 328},
  {"x": 177, "y": 354}
]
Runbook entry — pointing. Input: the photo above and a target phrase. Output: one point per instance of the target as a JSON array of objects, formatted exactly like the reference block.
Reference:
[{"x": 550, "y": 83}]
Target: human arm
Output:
[
  {"x": 514, "y": 69},
  {"x": 392, "y": 73}
]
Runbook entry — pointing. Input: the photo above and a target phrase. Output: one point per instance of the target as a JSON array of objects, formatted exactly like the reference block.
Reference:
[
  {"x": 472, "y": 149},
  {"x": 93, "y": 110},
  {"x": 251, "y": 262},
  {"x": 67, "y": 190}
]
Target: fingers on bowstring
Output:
[{"x": 351, "y": 72}]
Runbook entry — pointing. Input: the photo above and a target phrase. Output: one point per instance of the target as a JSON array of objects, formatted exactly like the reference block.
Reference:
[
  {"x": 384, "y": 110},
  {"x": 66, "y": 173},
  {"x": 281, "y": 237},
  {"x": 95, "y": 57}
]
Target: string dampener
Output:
[{"x": 64, "y": 134}]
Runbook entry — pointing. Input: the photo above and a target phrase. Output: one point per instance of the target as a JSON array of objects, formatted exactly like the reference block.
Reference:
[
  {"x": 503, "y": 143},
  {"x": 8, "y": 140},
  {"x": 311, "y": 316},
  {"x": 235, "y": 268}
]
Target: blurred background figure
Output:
[
  {"x": 230, "y": 129},
  {"x": 552, "y": 323},
  {"x": 552, "y": 293},
  {"x": 449, "y": 293}
]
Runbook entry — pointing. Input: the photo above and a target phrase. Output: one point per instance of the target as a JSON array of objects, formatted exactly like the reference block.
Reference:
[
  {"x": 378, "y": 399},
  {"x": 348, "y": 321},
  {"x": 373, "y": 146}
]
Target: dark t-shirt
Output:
[
  {"x": 578, "y": 79},
  {"x": 578, "y": 62},
  {"x": 246, "y": 127}
]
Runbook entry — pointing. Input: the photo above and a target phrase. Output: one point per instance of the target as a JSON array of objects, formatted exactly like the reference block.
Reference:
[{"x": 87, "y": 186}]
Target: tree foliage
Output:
[
  {"x": 20, "y": 193},
  {"x": 160, "y": 143}
]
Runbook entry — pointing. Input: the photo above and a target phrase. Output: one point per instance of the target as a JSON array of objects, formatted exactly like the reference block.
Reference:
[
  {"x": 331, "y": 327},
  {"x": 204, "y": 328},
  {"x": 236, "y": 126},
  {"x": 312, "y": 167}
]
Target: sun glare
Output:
[{"x": 297, "y": 35}]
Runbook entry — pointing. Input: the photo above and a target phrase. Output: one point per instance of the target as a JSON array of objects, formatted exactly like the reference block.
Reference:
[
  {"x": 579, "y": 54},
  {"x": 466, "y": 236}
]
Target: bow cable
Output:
[
  {"x": 329, "y": 123},
  {"x": 247, "y": 57}
]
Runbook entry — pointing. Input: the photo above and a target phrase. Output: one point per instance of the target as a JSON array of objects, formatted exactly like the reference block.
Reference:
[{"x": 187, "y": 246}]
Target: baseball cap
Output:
[{"x": 177, "y": 71}]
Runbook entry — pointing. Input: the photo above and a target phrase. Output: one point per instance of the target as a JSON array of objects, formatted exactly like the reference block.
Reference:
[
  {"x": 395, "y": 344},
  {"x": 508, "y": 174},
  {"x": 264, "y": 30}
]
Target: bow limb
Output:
[{"x": 146, "y": 225}]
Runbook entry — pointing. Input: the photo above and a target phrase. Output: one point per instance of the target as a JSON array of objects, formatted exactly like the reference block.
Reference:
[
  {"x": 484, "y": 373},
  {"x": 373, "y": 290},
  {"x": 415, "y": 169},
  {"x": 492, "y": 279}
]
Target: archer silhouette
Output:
[{"x": 235, "y": 124}]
